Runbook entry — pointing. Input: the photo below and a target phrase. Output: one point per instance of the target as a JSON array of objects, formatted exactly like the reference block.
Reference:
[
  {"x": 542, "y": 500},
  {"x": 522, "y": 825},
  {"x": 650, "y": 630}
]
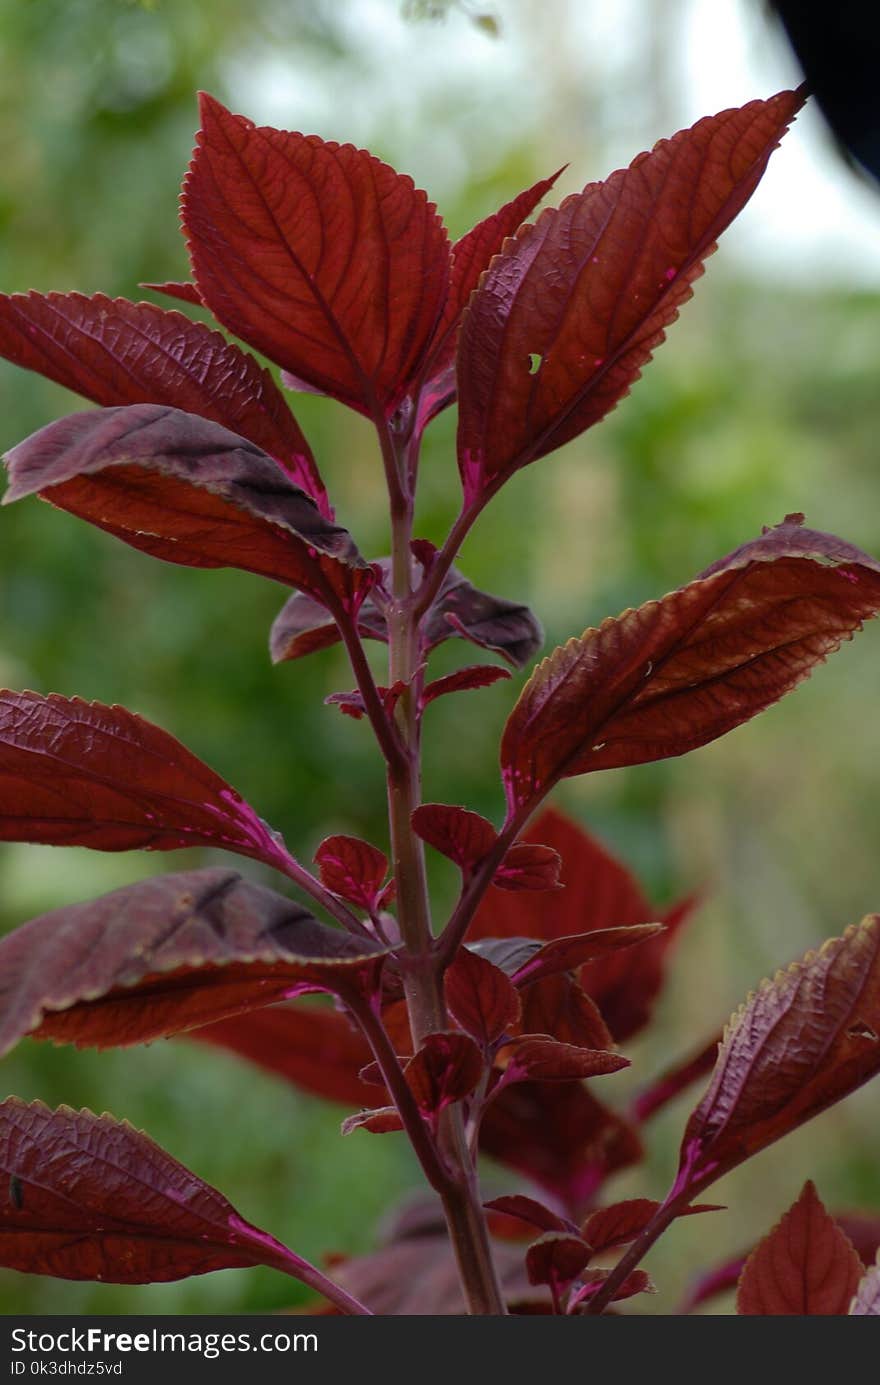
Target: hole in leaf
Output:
[{"x": 535, "y": 363}]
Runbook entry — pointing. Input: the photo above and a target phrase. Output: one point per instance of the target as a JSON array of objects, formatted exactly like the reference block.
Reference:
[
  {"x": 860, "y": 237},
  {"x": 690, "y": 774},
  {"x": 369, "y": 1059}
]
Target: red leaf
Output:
[
  {"x": 115, "y": 352},
  {"x": 866, "y": 1303},
  {"x": 381, "y": 1120},
  {"x": 480, "y": 997},
  {"x": 311, "y": 1046},
  {"x": 805, "y": 1267},
  {"x": 598, "y": 894},
  {"x": 566, "y": 954},
  {"x": 99, "y": 1200},
  {"x": 537, "y": 1058},
  {"x": 189, "y": 491},
  {"x": 802, "y": 1042},
  {"x": 353, "y": 869},
  {"x": 558, "y": 1006},
  {"x": 556, "y": 1259},
  {"x": 526, "y": 1209},
  {"x": 528, "y": 866},
  {"x": 621, "y": 1222},
  {"x": 76, "y": 773},
  {"x": 463, "y": 836},
  {"x": 561, "y": 1137},
  {"x": 679, "y": 672},
  {"x": 168, "y": 954},
  {"x": 573, "y": 308},
  {"x": 173, "y": 288},
  {"x": 445, "y": 1069},
  {"x": 463, "y": 680},
  {"x": 317, "y": 254},
  {"x": 470, "y": 256}
]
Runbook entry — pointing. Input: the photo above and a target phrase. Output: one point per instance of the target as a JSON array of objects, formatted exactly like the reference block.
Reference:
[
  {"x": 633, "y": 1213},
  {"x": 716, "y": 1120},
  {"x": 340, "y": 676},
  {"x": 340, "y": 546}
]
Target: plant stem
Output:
[{"x": 422, "y": 977}]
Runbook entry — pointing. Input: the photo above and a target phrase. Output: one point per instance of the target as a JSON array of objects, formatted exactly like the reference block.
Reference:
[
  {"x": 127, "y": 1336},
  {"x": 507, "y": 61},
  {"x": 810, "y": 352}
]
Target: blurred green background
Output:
[{"x": 764, "y": 401}]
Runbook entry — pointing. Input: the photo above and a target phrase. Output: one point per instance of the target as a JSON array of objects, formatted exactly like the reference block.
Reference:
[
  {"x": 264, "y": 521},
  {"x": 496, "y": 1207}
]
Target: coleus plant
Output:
[{"x": 488, "y": 1033}]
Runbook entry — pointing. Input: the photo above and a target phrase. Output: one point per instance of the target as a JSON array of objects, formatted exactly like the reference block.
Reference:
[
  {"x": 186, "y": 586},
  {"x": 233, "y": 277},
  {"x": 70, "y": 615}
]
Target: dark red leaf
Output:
[
  {"x": 381, "y": 1120},
  {"x": 866, "y": 1303},
  {"x": 303, "y": 626},
  {"x": 168, "y": 954},
  {"x": 679, "y": 672},
  {"x": 526, "y": 1209},
  {"x": 561, "y": 1137},
  {"x": 598, "y": 894},
  {"x": 311, "y": 1046},
  {"x": 528, "y": 866},
  {"x": 480, "y": 997},
  {"x": 317, "y": 254},
  {"x": 470, "y": 256},
  {"x": 99, "y": 1200},
  {"x": 187, "y": 490},
  {"x": 537, "y": 1058},
  {"x": 804, "y": 1267},
  {"x": 556, "y": 1259},
  {"x": 76, "y": 773},
  {"x": 443, "y": 1070},
  {"x": 464, "y": 680},
  {"x": 557, "y": 1005},
  {"x": 115, "y": 352},
  {"x": 675, "y": 1080},
  {"x": 573, "y": 308},
  {"x": 463, "y": 836},
  {"x": 621, "y": 1222},
  {"x": 802, "y": 1042},
  {"x": 353, "y": 869},
  {"x": 506, "y": 627},
  {"x": 173, "y": 288},
  {"x": 567, "y": 954}
]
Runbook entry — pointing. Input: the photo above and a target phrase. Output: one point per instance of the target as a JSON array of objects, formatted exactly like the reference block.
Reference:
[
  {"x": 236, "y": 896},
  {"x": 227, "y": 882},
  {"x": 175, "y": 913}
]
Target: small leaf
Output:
[
  {"x": 171, "y": 953},
  {"x": 621, "y": 1222},
  {"x": 316, "y": 254},
  {"x": 313, "y": 1047},
  {"x": 556, "y": 1259},
  {"x": 353, "y": 869},
  {"x": 467, "y": 838},
  {"x": 799, "y": 1044},
  {"x": 381, "y": 1120},
  {"x": 526, "y": 1209},
  {"x": 76, "y": 773},
  {"x": 188, "y": 490},
  {"x": 592, "y": 286},
  {"x": 101, "y": 1201},
  {"x": 506, "y": 627},
  {"x": 480, "y": 997},
  {"x": 805, "y": 1267},
  {"x": 537, "y": 1058},
  {"x": 173, "y": 288},
  {"x": 115, "y": 352},
  {"x": 445, "y": 1069},
  {"x": 528, "y": 866},
  {"x": 677, "y": 673},
  {"x": 567, "y": 954},
  {"x": 866, "y": 1303},
  {"x": 464, "y": 680}
]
